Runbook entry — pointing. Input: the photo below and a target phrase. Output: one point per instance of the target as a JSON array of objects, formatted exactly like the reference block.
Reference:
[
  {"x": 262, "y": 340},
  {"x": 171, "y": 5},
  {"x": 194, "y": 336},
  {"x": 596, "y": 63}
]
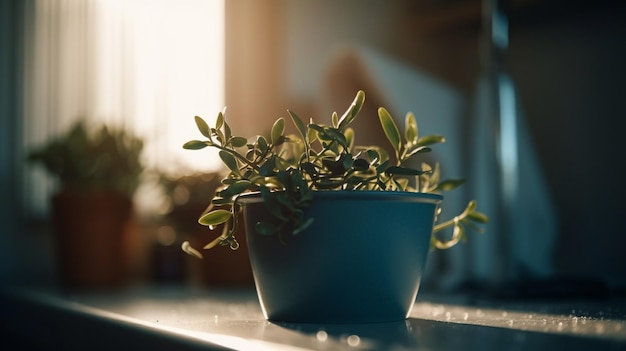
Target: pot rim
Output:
[{"x": 406, "y": 196}]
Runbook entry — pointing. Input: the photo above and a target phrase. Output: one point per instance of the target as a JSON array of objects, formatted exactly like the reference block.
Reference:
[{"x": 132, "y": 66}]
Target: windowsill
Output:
[{"x": 181, "y": 318}]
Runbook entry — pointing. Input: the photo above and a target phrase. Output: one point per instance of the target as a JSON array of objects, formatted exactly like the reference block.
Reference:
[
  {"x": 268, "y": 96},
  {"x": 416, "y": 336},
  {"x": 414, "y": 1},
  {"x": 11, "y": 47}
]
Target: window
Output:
[{"x": 146, "y": 65}]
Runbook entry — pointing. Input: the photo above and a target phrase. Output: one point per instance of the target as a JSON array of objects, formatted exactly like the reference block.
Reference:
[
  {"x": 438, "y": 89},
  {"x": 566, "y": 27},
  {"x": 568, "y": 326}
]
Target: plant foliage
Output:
[
  {"x": 288, "y": 169},
  {"x": 96, "y": 157}
]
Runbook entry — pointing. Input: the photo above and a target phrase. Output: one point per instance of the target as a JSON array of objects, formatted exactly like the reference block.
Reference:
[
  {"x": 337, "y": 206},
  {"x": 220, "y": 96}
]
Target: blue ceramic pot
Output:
[{"x": 360, "y": 261}]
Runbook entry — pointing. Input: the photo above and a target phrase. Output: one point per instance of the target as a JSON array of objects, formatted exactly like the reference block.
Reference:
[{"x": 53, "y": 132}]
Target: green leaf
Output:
[
  {"x": 352, "y": 111},
  {"x": 262, "y": 143},
  {"x": 478, "y": 217},
  {"x": 220, "y": 136},
  {"x": 235, "y": 189},
  {"x": 403, "y": 171},
  {"x": 203, "y": 127},
  {"x": 417, "y": 149},
  {"x": 335, "y": 119},
  {"x": 194, "y": 145},
  {"x": 390, "y": 128},
  {"x": 219, "y": 121},
  {"x": 215, "y": 217},
  {"x": 337, "y": 136},
  {"x": 449, "y": 184},
  {"x": 361, "y": 164},
  {"x": 229, "y": 160},
  {"x": 277, "y": 130},
  {"x": 431, "y": 139},
  {"x": 238, "y": 141},
  {"x": 227, "y": 133},
  {"x": 311, "y": 133},
  {"x": 299, "y": 125},
  {"x": 349, "y": 133},
  {"x": 410, "y": 131}
]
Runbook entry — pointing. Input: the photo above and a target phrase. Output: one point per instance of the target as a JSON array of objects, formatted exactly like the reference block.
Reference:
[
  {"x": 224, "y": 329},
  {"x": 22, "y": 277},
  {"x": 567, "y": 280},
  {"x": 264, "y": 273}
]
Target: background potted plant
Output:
[
  {"x": 336, "y": 232},
  {"x": 98, "y": 169}
]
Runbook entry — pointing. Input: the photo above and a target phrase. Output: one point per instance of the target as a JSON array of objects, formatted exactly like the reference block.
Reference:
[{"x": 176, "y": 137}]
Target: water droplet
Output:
[
  {"x": 321, "y": 335},
  {"x": 234, "y": 245},
  {"x": 354, "y": 340}
]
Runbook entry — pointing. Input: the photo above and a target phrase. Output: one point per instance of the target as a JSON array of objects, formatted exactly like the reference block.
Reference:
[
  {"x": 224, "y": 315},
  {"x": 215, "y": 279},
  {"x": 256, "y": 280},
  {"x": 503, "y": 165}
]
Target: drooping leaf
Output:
[
  {"x": 478, "y": 217},
  {"x": 271, "y": 203},
  {"x": 190, "y": 250},
  {"x": 215, "y": 217}
]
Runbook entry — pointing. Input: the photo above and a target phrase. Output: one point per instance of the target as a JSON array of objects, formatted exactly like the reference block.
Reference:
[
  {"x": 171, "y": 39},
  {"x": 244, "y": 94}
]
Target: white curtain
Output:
[{"x": 148, "y": 66}]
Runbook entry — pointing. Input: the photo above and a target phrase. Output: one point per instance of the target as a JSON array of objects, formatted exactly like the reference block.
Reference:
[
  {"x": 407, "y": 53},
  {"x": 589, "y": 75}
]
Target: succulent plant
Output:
[{"x": 288, "y": 169}]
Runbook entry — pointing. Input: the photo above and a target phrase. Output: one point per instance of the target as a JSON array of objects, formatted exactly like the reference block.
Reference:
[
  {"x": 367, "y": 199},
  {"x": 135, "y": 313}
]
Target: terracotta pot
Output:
[
  {"x": 360, "y": 261},
  {"x": 91, "y": 229}
]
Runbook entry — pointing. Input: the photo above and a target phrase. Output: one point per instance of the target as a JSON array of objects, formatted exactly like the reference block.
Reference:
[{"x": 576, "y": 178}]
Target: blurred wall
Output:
[
  {"x": 570, "y": 69},
  {"x": 566, "y": 58}
]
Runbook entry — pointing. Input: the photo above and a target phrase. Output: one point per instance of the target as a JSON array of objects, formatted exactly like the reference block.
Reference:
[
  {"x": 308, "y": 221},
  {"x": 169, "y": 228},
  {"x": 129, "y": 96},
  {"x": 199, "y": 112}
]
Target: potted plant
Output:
[
  {"x": 98, "y": 169},
  {"x": 336, "y": 232}
]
